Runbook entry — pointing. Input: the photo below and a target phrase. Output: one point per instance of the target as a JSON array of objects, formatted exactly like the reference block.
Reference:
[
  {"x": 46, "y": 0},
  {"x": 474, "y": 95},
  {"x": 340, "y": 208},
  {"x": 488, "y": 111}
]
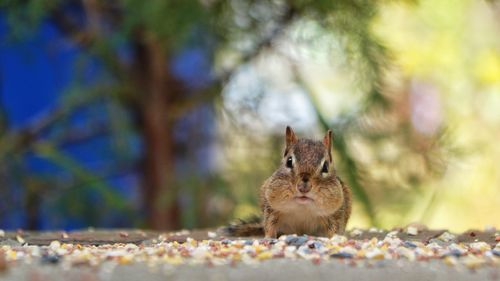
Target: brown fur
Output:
[
  {"x": 252, "y": 227},
  {"x": 328, "y": 207}
]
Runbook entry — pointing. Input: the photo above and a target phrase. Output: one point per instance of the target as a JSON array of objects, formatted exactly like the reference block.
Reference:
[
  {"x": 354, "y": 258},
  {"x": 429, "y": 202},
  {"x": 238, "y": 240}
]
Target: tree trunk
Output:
[
  {"x": 32, "y": 207},
  {"x": 159, "y": 193}
]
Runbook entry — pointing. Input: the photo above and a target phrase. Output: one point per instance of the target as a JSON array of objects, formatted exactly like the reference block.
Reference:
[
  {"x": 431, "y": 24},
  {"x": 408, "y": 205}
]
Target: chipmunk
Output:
[{"x": 303, "y": 196}]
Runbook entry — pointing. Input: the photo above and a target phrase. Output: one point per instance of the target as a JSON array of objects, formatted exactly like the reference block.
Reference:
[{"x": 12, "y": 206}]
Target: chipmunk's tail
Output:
[{"x": 243, "y": 228}]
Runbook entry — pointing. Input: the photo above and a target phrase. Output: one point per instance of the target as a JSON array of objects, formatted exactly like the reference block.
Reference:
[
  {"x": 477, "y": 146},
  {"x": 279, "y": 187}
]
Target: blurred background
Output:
[{"x": 170, "y": 114}]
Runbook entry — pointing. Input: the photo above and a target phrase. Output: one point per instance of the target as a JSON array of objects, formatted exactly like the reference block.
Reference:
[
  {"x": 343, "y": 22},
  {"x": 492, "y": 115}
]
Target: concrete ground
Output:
[
  {"x": 284, "y": 269},
  {"x": 279, "y": 270}
]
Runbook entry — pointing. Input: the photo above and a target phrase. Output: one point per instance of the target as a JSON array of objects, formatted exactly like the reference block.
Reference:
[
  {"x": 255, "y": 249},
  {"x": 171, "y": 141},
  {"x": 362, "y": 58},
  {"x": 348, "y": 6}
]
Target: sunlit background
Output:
[{"x": 170, "y": 114}]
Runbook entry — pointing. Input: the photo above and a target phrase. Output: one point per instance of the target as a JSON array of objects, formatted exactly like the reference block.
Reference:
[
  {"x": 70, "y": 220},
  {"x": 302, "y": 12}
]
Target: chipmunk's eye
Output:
[
  {"x": 289, "y": 162},
  {"x": 324, "y": 169}
]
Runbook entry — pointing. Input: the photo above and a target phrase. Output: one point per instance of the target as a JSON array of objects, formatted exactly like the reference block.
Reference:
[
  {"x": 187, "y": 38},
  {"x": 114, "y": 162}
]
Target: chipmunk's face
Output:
[{"x": 307, "y": 180}]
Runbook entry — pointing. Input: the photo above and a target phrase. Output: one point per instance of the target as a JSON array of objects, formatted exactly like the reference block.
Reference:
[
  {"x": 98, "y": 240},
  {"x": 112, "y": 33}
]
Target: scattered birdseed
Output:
[
  {"x": 356, "y": 232},
  {"x": 411, "y": 230},
  {"x": 447, "y": 237},
  {"x": 55, "y": 245},
  {"x": 126, "y": 259},
  {"x": 20, "y": 239},
  {"x": 457, "y": 249},
  {"x": 480, "y": 246},
  {"x": 473, "y": 262},
  {"x": 450, "y": 260},
  {"x": 342, "y": 255},
  {"x": 296, "y": 240},
  {"x": 392, "y": 234},
  {"x": 50, "y": 259},
  {"x": 374, "y": 253},
  {"x": 375, "y": 230},
  {"x": 455, "y": 253},
  {"x": 165, "y": 253},
  {"x": 409, "y": 244}
]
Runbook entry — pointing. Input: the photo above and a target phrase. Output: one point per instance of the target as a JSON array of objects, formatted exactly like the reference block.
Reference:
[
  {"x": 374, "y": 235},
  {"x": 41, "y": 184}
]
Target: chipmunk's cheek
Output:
[
  {"x": 336, "y": 200},
  {"x": 278, "y": 197}
]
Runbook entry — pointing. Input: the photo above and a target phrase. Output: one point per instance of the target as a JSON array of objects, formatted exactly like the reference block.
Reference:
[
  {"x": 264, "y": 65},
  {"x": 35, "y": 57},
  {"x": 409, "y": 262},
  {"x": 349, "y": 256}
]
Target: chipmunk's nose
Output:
[{"x": 304, "y": 186}]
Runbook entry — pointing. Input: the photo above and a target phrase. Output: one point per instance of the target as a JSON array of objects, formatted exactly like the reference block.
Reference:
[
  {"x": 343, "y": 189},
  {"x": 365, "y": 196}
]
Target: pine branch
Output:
[
  {"x": 91, "y": 36},
  {"x": 266, "y": 42},
  {"x": 213, "y": 91},
  {"x": 110, "y": 195},
  {"x": 18, "y": 140}
]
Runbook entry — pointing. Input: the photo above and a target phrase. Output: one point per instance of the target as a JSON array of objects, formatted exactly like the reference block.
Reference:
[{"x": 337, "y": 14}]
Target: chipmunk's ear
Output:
[
  {"x": 290, "y": 138},
  {"x": 327, "y": 141}
]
